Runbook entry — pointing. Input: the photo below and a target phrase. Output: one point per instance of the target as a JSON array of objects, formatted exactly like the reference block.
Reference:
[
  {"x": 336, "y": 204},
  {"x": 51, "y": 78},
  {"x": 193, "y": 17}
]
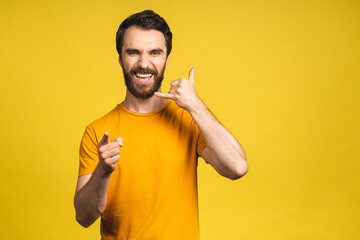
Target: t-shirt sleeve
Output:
[
  {"x": 88, "y": 155},
  {"x": 201, "y": 144}
]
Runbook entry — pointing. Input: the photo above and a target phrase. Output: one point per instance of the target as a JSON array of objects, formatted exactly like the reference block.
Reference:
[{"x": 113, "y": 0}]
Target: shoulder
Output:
[
  {"x": 178, "y": 116},
  {"x": 111, "y": 116},
  {"x": 177, "y": 111},
  {"x": 97, "y": 127}
]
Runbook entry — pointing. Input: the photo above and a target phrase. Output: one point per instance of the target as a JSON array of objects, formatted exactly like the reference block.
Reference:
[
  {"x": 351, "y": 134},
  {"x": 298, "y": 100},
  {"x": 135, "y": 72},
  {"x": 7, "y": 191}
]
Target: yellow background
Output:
[{"x": 283, "y": 76}]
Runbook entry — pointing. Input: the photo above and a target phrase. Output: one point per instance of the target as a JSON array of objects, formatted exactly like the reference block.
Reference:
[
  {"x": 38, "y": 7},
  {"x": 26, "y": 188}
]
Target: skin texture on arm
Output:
[
  {"x": 223, "y": 152},
  {"x": 91, "y": 189}
]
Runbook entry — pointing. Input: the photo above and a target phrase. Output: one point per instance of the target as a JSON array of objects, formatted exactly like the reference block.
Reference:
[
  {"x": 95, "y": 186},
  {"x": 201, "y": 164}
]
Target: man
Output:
[{"x": 151, "y": 193}]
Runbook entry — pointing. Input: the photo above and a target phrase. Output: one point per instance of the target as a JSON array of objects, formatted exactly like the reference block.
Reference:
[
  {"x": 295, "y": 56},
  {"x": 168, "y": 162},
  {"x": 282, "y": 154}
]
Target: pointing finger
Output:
[
  {"x": 192, "y": 75},
  {"x": 105, "y": 139}
]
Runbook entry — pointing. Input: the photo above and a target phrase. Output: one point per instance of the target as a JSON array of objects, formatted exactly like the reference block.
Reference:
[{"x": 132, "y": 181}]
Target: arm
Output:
[
  {"x": 223, "y": 152},
  {"x": 91, "y": 189}
]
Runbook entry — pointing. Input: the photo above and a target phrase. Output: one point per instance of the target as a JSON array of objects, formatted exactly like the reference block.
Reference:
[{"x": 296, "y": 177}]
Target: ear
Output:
[
  {"x": 167, "y": 60},
  {"x": 120, "y": 61}
]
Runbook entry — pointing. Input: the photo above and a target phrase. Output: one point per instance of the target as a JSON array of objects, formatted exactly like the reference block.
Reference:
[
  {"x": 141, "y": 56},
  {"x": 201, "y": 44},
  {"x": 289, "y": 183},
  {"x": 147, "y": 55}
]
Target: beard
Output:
[{"x": 143, "y": 91}]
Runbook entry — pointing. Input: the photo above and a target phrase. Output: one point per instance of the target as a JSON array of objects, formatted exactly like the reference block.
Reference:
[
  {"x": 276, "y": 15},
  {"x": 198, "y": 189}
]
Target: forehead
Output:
[{"x": 138, "y": 38}]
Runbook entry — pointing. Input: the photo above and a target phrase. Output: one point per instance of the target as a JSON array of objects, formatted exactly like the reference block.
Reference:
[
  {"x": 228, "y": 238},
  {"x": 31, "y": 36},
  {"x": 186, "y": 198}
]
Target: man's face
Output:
[{"x": 143, "y": 59}]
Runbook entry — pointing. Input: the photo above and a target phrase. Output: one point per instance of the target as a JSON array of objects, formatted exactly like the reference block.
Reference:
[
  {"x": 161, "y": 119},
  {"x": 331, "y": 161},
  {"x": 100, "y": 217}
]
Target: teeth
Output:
[{"x": 143, "y": 75}]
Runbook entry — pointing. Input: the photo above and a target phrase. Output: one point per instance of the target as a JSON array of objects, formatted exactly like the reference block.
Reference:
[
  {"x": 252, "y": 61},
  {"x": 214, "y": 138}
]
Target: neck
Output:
[{"x": 139, "y": 105}]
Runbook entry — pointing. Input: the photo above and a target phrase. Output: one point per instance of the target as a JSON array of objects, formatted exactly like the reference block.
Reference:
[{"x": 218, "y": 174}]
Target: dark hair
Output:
[{"x": 147, "y": 19}]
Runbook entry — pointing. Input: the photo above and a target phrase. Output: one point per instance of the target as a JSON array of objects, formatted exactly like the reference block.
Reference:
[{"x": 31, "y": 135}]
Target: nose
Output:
[{"x": 144, "y": 60}]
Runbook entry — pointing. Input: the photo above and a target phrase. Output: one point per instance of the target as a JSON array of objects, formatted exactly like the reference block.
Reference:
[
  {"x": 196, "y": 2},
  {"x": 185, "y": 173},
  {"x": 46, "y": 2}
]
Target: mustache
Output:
[{"x": 139, "y": 69}]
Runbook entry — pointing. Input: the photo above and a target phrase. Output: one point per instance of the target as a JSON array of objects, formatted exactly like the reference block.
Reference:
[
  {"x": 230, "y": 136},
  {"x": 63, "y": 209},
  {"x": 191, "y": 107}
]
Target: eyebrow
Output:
[
  {"x": 136, "y": 50},
  {"x": 131, "y": 50},
  {"x": 157, "y": 50}
]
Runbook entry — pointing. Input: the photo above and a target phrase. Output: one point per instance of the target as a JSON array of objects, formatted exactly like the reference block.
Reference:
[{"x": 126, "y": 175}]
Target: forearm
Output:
[
  {"x": 225, "y": 153},
  {"x": 90, "y": 201}
]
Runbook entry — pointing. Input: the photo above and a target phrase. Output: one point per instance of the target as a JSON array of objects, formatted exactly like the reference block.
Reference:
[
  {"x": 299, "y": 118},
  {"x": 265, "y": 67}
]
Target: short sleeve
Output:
[
  {"x": 201, "y": 144},
  {"x": 88, "y": 155}
]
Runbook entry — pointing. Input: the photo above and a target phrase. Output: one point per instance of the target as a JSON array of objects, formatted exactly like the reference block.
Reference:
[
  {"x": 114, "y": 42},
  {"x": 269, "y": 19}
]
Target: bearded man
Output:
[{"x": 138, "y": 163}]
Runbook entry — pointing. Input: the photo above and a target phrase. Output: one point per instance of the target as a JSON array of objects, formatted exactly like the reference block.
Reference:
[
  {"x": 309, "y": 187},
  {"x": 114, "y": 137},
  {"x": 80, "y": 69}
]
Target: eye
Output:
[
  {"x": 132, "y": 52},
  {"x": 155, "y": 53}
]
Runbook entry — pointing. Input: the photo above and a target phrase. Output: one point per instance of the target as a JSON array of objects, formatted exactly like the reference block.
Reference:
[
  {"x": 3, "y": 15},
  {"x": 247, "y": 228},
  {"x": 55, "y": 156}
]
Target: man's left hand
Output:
[{"x": 183, "y": 92}]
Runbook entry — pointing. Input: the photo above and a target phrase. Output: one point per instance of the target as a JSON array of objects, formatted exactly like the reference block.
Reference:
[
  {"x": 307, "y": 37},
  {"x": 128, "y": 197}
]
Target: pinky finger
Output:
[{"x": 165, "y": 95}]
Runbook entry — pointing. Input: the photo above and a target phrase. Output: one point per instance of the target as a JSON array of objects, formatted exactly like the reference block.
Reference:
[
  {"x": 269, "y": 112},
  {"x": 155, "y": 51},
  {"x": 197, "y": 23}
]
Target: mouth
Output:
[{"x": 143, "y": 78}]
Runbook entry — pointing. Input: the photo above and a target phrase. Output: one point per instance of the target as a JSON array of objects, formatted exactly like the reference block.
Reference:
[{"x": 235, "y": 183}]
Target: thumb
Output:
[
  {"x": 192, "y": 75},
  {"x": 105, "y": 139}
]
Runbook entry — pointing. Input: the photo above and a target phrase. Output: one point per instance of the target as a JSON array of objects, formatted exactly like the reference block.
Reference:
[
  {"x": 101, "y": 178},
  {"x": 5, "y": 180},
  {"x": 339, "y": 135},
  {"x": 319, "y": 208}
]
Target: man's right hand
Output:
[{"x": 109, "y": 152}]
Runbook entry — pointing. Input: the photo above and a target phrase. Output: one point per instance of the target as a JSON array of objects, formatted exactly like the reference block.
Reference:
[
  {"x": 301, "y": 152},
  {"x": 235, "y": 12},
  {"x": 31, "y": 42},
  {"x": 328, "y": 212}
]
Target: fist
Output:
[{"x": 109, "y": 152}]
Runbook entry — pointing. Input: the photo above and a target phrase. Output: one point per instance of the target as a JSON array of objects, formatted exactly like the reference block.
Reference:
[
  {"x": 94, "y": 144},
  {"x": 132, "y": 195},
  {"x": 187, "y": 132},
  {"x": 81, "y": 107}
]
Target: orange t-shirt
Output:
[{"x": 152, "y": 193}]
